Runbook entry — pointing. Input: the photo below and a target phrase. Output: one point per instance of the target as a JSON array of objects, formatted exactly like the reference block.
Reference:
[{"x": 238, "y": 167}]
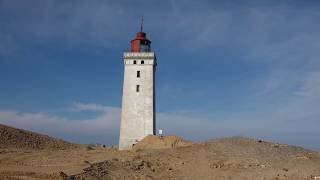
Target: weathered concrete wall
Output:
[{"x": 138, "y": 108}]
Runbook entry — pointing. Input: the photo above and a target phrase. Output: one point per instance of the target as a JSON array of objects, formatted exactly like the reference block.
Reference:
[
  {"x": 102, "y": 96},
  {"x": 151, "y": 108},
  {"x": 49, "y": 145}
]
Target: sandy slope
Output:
[
  {"x": 13, "y": 138},
  {"x": 47, "y": 164},
  {"x": 228, "y": 158},
  {"x": 28, "y": 155}
]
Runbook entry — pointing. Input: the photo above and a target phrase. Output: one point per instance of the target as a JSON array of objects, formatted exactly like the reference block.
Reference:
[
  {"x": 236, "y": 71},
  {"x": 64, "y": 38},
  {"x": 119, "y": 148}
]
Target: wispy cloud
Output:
[
  {"x": 103, "y": 124},
  {"x": 72, "y": 24},
  {"x": 192, "y": 25},
  {"x": 77, "y": 106},
  {"x": 104, "y": 127}
]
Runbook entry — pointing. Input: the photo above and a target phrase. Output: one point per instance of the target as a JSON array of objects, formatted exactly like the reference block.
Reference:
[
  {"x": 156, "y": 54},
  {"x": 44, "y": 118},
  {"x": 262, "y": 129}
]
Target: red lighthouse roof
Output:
[{"x": 140, "y": 43}]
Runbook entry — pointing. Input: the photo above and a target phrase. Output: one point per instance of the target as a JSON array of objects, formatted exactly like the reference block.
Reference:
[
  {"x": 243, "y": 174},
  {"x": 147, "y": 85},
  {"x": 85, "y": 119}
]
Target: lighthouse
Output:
[{"x": 138, "y": 115}]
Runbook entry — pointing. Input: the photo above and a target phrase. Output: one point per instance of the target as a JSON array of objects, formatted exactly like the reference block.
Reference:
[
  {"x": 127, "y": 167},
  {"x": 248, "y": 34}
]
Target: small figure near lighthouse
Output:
[{"x": 138, "y": 116}]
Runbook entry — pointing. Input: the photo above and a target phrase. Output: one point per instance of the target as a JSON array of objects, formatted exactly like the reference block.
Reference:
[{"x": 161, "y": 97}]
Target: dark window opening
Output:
[
  {"x": 144, "y": 46},
  {"x": 142, "y": 62},
  {"x": 134, "y": 62},
  {"x": 138, "y": 74},
  {"x": 143, "y": 42},
  {"x": 138, "y": 88}
]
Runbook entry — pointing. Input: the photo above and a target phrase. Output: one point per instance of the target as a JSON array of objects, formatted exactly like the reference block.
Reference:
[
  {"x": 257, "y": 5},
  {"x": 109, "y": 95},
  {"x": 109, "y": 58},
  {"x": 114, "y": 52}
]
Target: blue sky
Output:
[{"x": 225, "y": 68}]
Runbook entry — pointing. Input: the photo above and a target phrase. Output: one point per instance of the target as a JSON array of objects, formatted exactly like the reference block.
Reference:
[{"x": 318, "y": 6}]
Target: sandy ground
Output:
[
  {"x": 228, "y": 158},
  {"x": 45, "y": 164}
]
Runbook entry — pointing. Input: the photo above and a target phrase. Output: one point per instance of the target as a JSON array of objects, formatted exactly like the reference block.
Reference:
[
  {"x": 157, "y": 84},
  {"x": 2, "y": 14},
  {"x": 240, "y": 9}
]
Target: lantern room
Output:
[{"x": 140, "y": 43}]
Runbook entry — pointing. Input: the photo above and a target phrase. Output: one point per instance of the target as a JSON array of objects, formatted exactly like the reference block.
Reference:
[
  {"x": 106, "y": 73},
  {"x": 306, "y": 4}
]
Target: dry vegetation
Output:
[{"x": 160, "y": 158}]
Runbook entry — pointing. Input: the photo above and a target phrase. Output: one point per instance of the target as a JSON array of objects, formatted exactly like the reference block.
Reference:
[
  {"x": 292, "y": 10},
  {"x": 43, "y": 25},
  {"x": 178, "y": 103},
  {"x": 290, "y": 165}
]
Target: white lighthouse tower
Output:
[{"x": 138, "y": 116}]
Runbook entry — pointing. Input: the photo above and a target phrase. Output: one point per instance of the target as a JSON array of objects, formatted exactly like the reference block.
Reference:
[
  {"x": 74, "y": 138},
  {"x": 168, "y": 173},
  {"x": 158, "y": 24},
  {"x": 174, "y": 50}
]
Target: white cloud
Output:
[
  {"x": 104, "y": 128},
  {"x": 77, "y": 106},
  {"x": 105, "y": 123},
  {"x": 301, "y": 112}
]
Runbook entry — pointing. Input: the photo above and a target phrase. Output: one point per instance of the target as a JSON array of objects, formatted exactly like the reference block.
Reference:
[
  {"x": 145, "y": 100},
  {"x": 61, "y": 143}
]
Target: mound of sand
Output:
[
  {"x": 165, "y": 142},
  {"x": 13, "y": 138}
]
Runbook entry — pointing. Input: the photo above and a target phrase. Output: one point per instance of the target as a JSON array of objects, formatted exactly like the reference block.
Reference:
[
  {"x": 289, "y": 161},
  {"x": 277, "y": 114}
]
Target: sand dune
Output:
[{"x": 170, "y": 157}]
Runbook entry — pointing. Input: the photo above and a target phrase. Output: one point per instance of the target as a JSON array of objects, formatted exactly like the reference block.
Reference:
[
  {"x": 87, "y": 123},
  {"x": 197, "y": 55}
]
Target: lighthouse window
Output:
[
  {"x": 142, "y": 62},
  {"x": 138, "y": 88},
  {"x": 134, "y": 62},
  {"x": 138, "y": 74}
]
